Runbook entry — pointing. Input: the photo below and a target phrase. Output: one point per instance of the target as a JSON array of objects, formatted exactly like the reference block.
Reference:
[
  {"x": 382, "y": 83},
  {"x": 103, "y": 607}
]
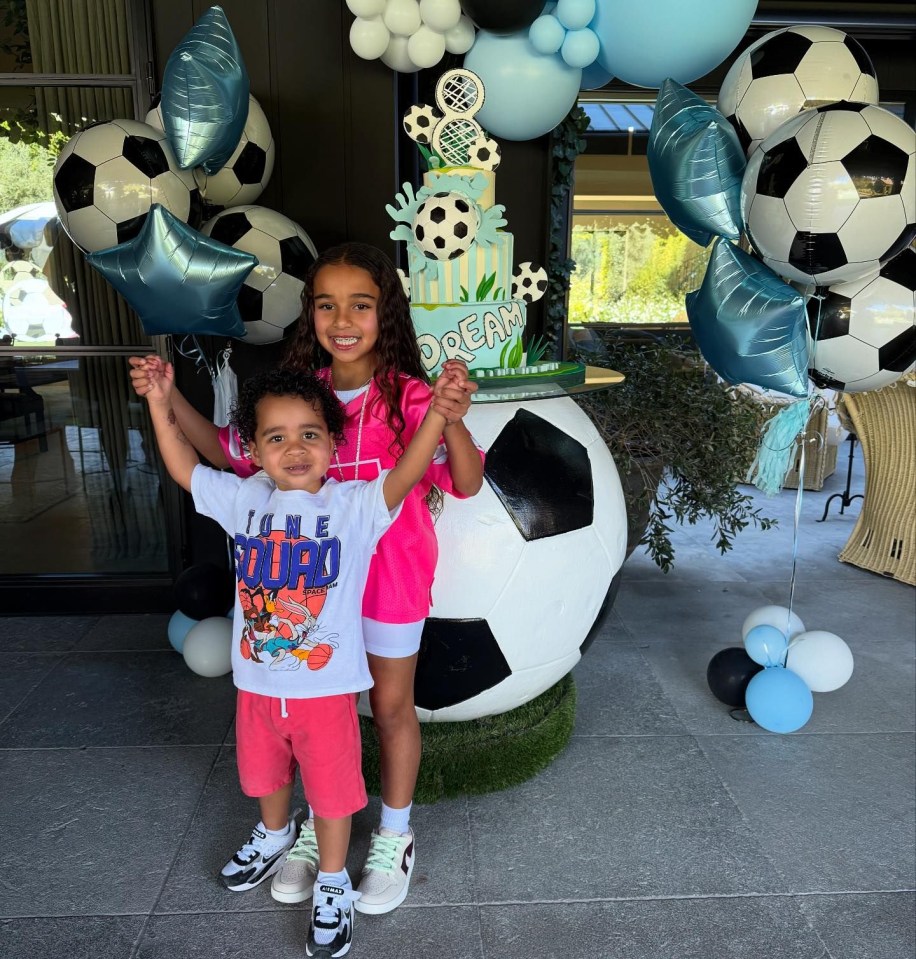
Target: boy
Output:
[{"x": 302, "y": 552}]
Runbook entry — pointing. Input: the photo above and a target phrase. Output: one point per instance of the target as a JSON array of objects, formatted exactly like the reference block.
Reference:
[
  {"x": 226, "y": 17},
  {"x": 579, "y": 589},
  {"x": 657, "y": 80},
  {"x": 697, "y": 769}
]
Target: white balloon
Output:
[
  {"x": 208, "y": 647},
  {"x": 366, "y": 8},
  {"x": 369, "y": 38},
  {"x": 402, "y": 17},
  {"x": 776, "y": 616},
  {"x": 822, "y": 659},
  {"x": 460, "y": 38},
  {"x": 395, "y": 56},
  {"x": 426, "y": 47},
  {"x": 441, "y": 15}
]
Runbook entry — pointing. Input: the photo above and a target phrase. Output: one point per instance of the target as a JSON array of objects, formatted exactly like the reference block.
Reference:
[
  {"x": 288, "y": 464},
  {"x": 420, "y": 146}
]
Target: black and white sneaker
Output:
[
  {"x": 331, "y": 927},
  {"x": 258, "y": 858}
]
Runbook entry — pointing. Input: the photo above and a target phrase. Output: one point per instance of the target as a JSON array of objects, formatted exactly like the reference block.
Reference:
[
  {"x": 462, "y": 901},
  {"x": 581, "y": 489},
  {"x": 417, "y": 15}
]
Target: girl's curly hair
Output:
[
  {"x": 396, "y": 348},
  {"x": 285, "y": 382}
]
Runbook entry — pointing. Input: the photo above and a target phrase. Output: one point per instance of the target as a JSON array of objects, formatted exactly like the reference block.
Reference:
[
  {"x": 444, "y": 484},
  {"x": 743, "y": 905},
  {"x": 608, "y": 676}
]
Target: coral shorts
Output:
[{"x": 320, "y": 736}]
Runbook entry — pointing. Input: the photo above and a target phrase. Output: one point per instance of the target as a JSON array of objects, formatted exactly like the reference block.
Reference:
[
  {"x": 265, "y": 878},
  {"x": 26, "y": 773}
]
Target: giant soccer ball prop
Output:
[
  {"x": 445, "y": 225},
  {"x": 109, "y": 175},
  {"x": 831, "y": 195},
  {"x": 791, "y": 70},
  {"x": 863, "y": 334},
  {"x": 271, "y": 297},
  {"x": 526, "y": 566}
]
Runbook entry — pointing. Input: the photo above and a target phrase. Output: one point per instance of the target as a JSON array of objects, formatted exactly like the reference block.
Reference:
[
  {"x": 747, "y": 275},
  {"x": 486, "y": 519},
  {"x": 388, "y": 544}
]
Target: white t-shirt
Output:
[{"x": 301, "y": 562}]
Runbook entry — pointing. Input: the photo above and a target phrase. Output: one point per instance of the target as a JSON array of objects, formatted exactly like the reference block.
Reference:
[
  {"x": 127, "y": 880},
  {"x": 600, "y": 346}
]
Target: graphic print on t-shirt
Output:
[{"x": 283, "y": 580}]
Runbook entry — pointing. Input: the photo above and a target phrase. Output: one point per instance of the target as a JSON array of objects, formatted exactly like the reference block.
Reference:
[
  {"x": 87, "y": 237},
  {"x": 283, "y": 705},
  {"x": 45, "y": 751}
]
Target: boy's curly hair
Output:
[{"x": 285, "y": 382}]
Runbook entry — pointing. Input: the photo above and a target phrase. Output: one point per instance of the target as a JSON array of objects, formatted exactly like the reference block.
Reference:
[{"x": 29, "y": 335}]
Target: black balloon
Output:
[
  {"x": 204, "y": 590},
  {"x": 503, "y": 16},
  {"x": 728, "y": 674}
]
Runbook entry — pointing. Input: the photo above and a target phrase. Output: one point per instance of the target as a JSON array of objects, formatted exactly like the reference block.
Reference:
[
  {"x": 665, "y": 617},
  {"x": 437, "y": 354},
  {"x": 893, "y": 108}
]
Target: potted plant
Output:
[{"x": 682, "y": 440}]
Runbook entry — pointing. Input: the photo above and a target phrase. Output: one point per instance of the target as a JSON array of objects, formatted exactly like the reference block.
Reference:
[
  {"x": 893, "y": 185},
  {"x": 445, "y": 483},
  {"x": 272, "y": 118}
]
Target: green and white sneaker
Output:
[
  {"x": 386, "y": 875},
  {"x": 296, "y": 878}
]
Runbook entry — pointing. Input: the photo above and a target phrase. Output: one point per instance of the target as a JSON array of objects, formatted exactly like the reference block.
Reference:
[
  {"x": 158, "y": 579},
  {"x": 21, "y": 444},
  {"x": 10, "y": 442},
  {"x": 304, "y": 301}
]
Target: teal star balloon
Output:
[
  {"x": 697, "y": 164},
  {"x": 750, "y": 325},
  {"x": 205, "y": 94},
  {"x": 177, "y": 280}
]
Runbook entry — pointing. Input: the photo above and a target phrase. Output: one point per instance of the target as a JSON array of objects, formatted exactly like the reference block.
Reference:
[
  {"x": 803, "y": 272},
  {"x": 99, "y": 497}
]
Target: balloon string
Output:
[
  {"x": 799, "y": 496},
  {"x": 194, "y": 352}
]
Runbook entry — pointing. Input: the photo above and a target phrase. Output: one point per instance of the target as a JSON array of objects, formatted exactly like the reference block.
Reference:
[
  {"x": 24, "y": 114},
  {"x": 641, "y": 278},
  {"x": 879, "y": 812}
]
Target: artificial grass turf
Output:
[{"x": 484, "y": 755}]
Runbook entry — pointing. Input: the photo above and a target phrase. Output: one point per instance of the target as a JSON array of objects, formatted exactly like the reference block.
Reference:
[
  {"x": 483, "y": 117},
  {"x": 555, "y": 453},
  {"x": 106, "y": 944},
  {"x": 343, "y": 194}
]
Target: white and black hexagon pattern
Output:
[
  {"x": 831, "y": 196},
  {"x": 529, "y": 566},
  {"x": 863, "y": 333},
  {"x": 109, "y": 175},
  {"x": 445, "y": 225},
  {"x": 790, "y": 70},
  {"x": 270, "y": 298}
]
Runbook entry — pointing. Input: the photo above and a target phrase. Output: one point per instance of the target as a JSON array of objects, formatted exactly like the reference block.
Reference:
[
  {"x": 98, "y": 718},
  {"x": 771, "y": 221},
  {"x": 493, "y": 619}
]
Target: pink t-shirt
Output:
[{"x": 402, "y": 569}]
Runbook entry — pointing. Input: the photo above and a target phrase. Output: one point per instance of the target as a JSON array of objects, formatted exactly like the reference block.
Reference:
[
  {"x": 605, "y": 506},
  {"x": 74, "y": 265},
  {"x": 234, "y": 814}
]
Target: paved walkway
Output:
[{"x": 666, "y": 830}]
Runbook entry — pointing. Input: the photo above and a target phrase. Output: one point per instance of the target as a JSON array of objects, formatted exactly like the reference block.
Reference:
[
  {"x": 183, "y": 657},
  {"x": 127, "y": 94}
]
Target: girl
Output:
[{"x": 356, "y": 329}]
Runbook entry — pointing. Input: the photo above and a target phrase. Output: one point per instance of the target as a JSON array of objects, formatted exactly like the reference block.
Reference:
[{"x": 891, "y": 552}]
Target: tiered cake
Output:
[{"x": 467, "y": 302}]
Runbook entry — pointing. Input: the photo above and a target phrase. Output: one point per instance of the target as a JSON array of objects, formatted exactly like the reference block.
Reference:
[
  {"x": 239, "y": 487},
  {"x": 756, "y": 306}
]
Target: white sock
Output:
[{"x": 397, "y": 820}]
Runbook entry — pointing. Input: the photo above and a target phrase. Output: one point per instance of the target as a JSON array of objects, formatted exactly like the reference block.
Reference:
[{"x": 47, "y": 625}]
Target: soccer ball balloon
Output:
[
  {"x": 445, "y": 225},
  {"x": 831, "y": 195},
  {"x": 109, "y": 175},
  {"x": 527, "y": 566},
  {"x": 242, "y": 178},
  {"x": 246, "y": 172},
  {"x": 33, "y": 312},
  {"x": 863, "y": 333},
  {"x": 791, "y": 70},
  {"x": 270, "y": 299}
]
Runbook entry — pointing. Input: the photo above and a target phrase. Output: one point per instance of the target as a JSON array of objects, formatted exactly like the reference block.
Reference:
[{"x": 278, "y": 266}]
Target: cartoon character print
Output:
[{"x": 281, "y": 626}]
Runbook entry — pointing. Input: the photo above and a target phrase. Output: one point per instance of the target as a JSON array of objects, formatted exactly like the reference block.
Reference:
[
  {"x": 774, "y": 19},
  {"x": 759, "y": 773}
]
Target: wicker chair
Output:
[{"x": 884, "y": 537}]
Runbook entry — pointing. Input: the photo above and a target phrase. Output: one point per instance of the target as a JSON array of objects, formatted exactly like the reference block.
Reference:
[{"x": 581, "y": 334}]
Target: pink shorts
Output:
[{"x": 320, "y": 736}]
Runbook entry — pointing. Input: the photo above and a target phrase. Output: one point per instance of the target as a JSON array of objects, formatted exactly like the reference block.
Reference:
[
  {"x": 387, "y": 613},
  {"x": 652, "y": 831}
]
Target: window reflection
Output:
[{"x": 80, "y": 481}]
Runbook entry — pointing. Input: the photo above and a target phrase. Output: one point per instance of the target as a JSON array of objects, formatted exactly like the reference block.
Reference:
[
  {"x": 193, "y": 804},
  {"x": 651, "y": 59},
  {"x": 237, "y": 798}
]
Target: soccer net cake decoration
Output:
[{"x": 467, "y": 300}]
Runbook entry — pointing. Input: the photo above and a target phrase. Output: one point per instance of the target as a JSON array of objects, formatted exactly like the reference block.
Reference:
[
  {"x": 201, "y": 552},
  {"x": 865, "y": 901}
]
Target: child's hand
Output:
[
  {"x": 452, "y": 392},
  {"x": 151, "y": 377}
]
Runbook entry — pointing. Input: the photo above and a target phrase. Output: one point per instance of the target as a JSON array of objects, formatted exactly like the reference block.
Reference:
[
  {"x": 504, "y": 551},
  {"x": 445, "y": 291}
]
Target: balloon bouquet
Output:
[
  {"x": 800, "y": 161},
  {"x": 133, "y": 196}
]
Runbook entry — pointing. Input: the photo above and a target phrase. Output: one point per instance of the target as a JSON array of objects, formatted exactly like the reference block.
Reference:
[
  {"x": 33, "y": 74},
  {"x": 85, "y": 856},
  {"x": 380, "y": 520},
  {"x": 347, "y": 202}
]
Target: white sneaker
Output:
[
  {"x": 331, "y": 927},
  {"x": 294, "y": 882},
  {"x": 257, "y": 859},
  {"x": 386, "y": 875}
]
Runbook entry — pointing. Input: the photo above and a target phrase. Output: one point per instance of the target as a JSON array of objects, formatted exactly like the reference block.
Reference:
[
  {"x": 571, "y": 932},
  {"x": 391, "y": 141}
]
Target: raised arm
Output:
[
  {"x": 176, "y": 451},
  {"x": 410, "y": 468},
  {"x": 452, "y": 398},
  {"x": 199, "y": 431}
]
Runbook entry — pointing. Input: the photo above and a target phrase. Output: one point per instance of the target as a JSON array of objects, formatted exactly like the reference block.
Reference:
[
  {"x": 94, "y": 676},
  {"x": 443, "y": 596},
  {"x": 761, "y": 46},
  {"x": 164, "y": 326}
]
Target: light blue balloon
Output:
[
  {"x": 205, "y": 94},
  {"x": 779, "y": 700},
  {"x": 697, "y": 164},
  {"x": 179, "y": 627},
  {"x": 749, "y": 324},
  {"x": 526, "y": 93},
  {"x": 643, "y": 43},
  {"x": 766, "y": 645},
  {"x": 594, "y": 77},
  {"x": 580, "y": 48},
  {"x": 546, "y": 34},
  {"x": 178, "y": 280},
  {"x": 575, "y": 14}
]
